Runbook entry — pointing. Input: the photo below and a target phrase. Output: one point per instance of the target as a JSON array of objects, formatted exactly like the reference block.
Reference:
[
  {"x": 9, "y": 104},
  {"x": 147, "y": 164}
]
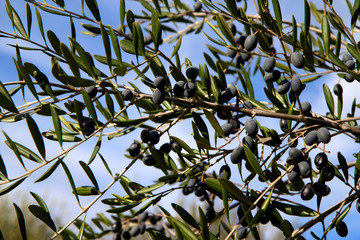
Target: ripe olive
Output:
[
  {"x": 158, "y": 96},
  {"x": 307, "y": 192},
  {"x": 348, "y": 77},
  {"x": 305, "y": 169},
  {"x": 245, "y": 56},
  {"x": 342, "y": 229},
  {"x": 166, "y": 148},
  {"x": 237, "y": 155},
  {"x": 242, "y": 232},
  {"x": 306, "y": 107},
  {"x": 127, "y": 95},
  {"x": 197, "y": 6},
  {"x": 248, "y": 105},
  {"x": 200, "y": 189},
  {"x": 225, "y": 172},
  {"x": 230, "y": 52},
  {"x": 232, "y": 28},
  {"x": 338, "y": 90},
  {"x": 135, "y": 231},
  {"x": 191, "y": 72},
  {"x": 295, "y": 154},
  {"x": 323, "y": 135},
  {"x": 297, "y": 59},
  {"x": 160, "y": 82},
  {"x": 249, "y": 142},
  {"x": 251, "y": 127},
  {"x": 134, "y": 149},
  {"x": 189, "y": 89},
  {"x": 284, "y": 125},
  {"x": 148, "y": 39},
  {"x": 358, "y": 205},
  {"x": 328, "y": 173},
  {"x": 346, "y": 57},
  {"x": 227, "y": 129},
  {"x": 272, "y": 76},
  {"x": 210, "y": 214},
  {"x": 350, "y": 64},
  {"x": 145, "y": 135},
  {"x": 116, "y": 227},
  {"x": 179, "y": 88},
  {"x": 269, "y": 64},
  {"x": 89, "y": 127},
  {"x": 149, "y": 160},
  {"x": 91, "y": 90},
  {"x": 250, "y": 43},
  {"x": 294, "y": 174},
  {"x": 154, "y": 137},
  {"x": 321, "y": 189},
  {"x": 241, "y": 40},
  {"x": 296, "y": 84},
  {"x": 311, "y": 138},
  {"x": 320, "y": 160},
  {"x": 283, "y": 87}
]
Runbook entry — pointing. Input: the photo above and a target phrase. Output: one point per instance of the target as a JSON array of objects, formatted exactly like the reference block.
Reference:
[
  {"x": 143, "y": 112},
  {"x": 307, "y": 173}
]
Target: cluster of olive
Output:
[{"x": 136, "y": 228}]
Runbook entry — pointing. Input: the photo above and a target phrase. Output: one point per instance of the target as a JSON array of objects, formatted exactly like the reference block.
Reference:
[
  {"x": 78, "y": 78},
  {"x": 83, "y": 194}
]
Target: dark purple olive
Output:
[
  {"x": 245, "y": 56},
  {"x": 134, "y": 149},
  {"x": 323, "y": 135},
  {"x": 166, "y": 148},
  {"x": 145, "y": 135},
  {"x": 225, "y": 172},
  {"x": 210, "y": 214},
  {"x": 284, "y": 125},
  {"x": 307, "y": 192},
  {"x": 242, "y": 232},
  {"x": 306, "y": 107},
  {"x": 237, "y": 155},
  {"x": 251, "y": 127},
  {"x": 250, "y": 43},
  {"x": 127, "y": 95},
  {"x": 311, "y": 138},
  {"x": 160, "y": 82},
  {"x": 297, "y": 59},
  {"x": 227, "y": 129},
  {"x": 89, "y": 127},
  {"x": 92, "y": 91},
  {"x": 197, "y": 6},
  {"x": 295, "y": 155},
  {"x": 320, "y": 160},
  {"x": 232, "y": 28},
  {"x": 346, "y": 57},
  {"x": 283, "y": 87},
  {"x": 200, "y": 189},
  {"x": 179, "y": 88},
  {"x": 149, "y": 160},
  {"x": 154, "y": 137},
  {"x": 272, "y": 76},
  {"x": 269, "y": 64},
  {"x": 191, "y": 72},
  {"x": 321, "y": 189},
  {"x": 296, "y": 84},
  {"x": 328, "y": 173},
  {"x": 249, "y": 142},
  {"x": 189, "y": 89},
  {"x": 305, "y": 169},
  {"x": 158, "y": 96},
  {"x": 338, "y": 90},
  {"x": 342, "y": 229}
]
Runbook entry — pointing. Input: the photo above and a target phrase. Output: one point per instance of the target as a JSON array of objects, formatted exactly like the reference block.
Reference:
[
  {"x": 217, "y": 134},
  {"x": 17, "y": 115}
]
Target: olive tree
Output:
[{"x": 255, "y": 67}]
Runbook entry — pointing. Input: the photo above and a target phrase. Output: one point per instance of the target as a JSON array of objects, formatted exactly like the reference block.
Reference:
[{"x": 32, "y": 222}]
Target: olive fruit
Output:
[
  {"x": 189, "y": 89},
  {"x": 154, "y": 137},
  {"x": 145, "y": 135},
  {"x": 237, "y": 155},
  {"x": 239, "y": 61},
  {"x": 240, "y": 213},
  {"x": 242, "y": 232},
  {"x": 210, "y": 214},
  {"x": 269, "y": 64},
  {"x": 135, "y": 231},
  {"x": 296, "y": 84},
  {"x": 306, "y": 107},
  {"x": 148, "y": 39},
  {"x": 321, "y": 189},
  {"x": 235, "y": 123},
  {"x": 248, "y": 105},
  {"x": 225, "y": 172},
  {"x": 328, "y": 173},
  {"x": 250, "y": 43},
  {"x": 304, "y": 169},
  {"x": 272, "y": 76},
  {"x": 323, "y": 135},
  {"x": 197, "y": 6},
  {"x": 175, "y": 146},
  {"x": 311, "y": 138},
  {"x": 241, "y": 40},
  {"x": 295, "y": 154},
  {"x": 230, "y": 53},
  {"x": 160, "y": 82},
  {"x": 116, "y": 227},
  {"x": 142, "y": 227},
  {"x": 297, "y": 59},
  {"x": 224, "y": 114},
  {"x": 149, "y": 160},
  {"x": 158, "y": 96},
  {"x": 348, "y": 77},
  {"x": 179, "y": 88},
  {"x": 200, "y": 189},
  {"x": 267, "y": 174},
  {"x": 127, "y": 95},
  {"x": 232, "y": 28},
  {"x": 245, "y": 56},
  {"x": 226, "y": 95},
  {"x": 358, "y": 205},
  {"x": 91, "y": 90},
  {"x": 166, "y": 148},
  {"x": 134, "y": 149},
  {"x": 346, "y": 57},
  {"x": 251, "y": 127},
  {"x": 191, "y": 72},
  {"x": 89, "y": 127},
  {"x": 341, "y": 229},
  {"x": 320, "y": 160},
  {"x": 227, "y": 129},
  {"x": 249, "y": 142},
  {"x": 126, "y": 235},
  {"x": 283, "y": 87},
  {"x": 293, "y": 142},
  {"x": 350, "y": 64},
  {"x": 338, "y": 90},
  {"x": 294, "y": 174},
  {"x": 284, "y": 125},
  {"x": 307, "y": 192}
]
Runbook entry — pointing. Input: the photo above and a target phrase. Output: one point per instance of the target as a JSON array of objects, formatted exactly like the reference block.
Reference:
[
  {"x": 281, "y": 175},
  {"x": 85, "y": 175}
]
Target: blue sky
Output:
[{"x": 57, "y": 188}]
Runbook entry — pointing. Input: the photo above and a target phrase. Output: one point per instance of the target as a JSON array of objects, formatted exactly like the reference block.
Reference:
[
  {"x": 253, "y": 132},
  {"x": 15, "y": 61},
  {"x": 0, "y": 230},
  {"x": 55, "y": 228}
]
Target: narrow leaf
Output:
[
  {"x": 43, "y": 216},
  {"x": 90, "y": 174},
  {"x": 250, "y": 157},
  {"x": 185, "y": 216},
  {"x": 57, "y": 124},
  {"x": 48, "y": 172},
  {"x": 329, "y": 98},
  {"x": 36, "y": 135},
  {"x": 21, "y": 221}
]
